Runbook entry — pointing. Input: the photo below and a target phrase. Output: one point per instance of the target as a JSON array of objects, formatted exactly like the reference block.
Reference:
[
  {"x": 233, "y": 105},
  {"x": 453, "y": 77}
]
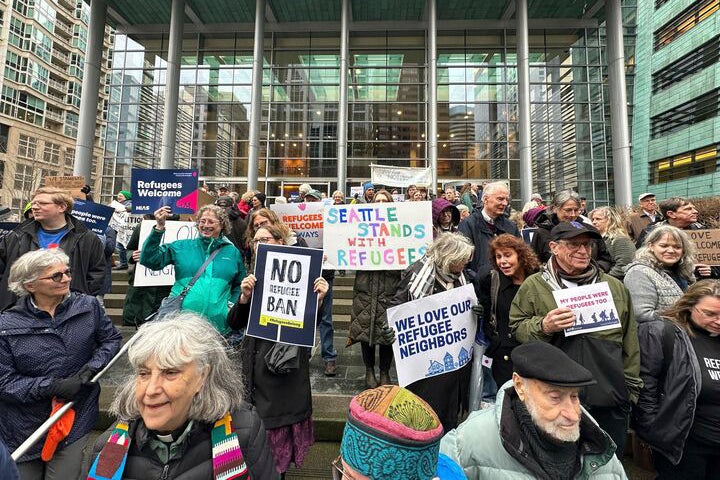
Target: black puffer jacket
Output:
[
  {"x": 87, "y": 260},
  {"x": 195, "y": 461},
  {"x": 665, "y": 409},
  {"x": 372, "y": 293}
]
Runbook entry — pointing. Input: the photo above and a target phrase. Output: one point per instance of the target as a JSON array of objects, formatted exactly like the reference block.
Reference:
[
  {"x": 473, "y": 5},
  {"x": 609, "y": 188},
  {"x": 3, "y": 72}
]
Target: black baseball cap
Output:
[{"x": 565, "y": 230}]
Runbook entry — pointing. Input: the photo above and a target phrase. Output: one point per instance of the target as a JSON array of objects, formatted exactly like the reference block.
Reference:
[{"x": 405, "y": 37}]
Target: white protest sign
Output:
[
  {"x": 284, "y": 290},
  {"x": 144, "y": 277},
  {"x": 593, "y": 306},
  {"x": 392, "y": 176},
  {"x": 305, "y": 219},
  {"x": 356, "y": 191},
  {"x": 376, "y": 236},
  {"x": 434, "y": 335}
]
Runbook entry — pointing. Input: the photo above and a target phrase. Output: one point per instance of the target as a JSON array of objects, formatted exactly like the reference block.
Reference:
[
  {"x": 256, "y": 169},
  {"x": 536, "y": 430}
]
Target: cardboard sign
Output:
[
  {"x": 707, "y": 246},
  {"x": 392, "y": 176},
  {"x": 155, "y": 188},
  {"x": 305, "y": 219},
  {"x": 144, "y": 277},
  {"x": 95, "y": 216},
  {"x": 284, "y": 306},
  {"x": 433, "y": 335},
  {"x": 593, "y": 306},
  {"x": 71, "y": 184},
  {"x": 376, "y": 236}
]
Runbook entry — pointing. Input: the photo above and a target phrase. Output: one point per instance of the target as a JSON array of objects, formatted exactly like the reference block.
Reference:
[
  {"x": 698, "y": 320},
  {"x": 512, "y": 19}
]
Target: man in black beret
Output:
[
  {"x": 537, "y": 428},
  {"x": 613, "y": 356}
]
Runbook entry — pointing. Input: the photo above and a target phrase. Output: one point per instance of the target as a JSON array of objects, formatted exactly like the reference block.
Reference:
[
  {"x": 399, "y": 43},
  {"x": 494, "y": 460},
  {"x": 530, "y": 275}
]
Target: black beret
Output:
[
  {"x": 573, "y": 229},
  {"x": 547, "y": 363}
]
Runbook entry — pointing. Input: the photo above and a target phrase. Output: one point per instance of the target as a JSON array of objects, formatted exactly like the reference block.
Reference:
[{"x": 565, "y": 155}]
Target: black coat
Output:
[
  {"x": 280, "y": 400},
  {"x": 481, "y": 234},
  {"x": 87, "y": 260},
  {"x": 195, "y": 463}
]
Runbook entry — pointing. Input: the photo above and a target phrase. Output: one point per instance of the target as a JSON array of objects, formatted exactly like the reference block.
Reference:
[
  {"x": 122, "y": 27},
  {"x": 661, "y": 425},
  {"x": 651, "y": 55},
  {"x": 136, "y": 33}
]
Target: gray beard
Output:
[{"x": 551, "y": 428}]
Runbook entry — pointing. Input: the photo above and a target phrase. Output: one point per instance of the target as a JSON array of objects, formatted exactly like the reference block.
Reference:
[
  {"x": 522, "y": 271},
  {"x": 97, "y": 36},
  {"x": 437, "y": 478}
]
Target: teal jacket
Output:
[
  {"x": 219, "y": 283},
  {"x": 478, "y": 446}
]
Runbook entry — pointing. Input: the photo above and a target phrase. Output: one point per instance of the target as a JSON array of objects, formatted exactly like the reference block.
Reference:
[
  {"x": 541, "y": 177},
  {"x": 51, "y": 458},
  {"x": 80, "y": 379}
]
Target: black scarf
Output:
[
  {"x": 560, "y": 460},
  {"x": 587, "y": 277}
]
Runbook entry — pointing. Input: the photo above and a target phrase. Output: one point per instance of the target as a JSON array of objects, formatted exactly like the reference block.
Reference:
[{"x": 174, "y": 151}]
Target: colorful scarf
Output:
[{"x": 228, "y": 461}]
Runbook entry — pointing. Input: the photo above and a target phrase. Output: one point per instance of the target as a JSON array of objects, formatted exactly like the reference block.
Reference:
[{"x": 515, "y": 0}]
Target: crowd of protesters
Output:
[{"x": 554, "y": 405}]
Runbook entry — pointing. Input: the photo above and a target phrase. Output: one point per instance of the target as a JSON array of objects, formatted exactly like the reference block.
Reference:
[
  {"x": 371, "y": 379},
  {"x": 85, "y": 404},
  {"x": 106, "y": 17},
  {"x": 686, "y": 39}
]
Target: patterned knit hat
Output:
[{"x": 391, "y": 433}]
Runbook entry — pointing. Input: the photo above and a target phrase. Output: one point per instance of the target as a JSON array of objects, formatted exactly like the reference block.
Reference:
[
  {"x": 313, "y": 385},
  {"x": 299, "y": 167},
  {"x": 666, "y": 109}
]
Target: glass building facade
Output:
[{"x": 387, "y": 107}]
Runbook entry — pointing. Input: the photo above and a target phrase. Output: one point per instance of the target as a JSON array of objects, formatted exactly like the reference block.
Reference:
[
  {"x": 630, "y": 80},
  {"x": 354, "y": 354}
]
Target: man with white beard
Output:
[{"x": 537, "y": 428}]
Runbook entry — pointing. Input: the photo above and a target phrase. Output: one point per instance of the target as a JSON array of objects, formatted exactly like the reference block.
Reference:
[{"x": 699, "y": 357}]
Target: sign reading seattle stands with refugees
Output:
[
  {"x": 707, "y": 246},
  {"x": 376, "y": 236},
  {"x": 174, "y": 188},
  {"x": 433, "y": 335},
  {"x": 284, "y": 305},
  {"x": 305, "y": 219},
  {"x": 593, "y": 306}
]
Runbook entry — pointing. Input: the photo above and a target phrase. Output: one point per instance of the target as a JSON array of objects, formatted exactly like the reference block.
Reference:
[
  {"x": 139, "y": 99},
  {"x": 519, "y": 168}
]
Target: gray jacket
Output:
[{"x": 652, "y": 289}]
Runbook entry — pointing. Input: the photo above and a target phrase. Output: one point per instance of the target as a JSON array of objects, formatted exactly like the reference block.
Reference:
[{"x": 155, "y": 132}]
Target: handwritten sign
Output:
[
  {"x": 284, "y": 306},
  {"x": 305, "y": 219},
  {"x": 392, "y": 176},
  {"x": 155, "y": 188},
  {"x": 71, "y": 184},
  {"x": 376, "y": 236},
  {"x": 144, "y": 277},
  {"x": 593, "y": 306},
  {"x": 707, "y": 246},
  {"x": 433, "y": 335}
]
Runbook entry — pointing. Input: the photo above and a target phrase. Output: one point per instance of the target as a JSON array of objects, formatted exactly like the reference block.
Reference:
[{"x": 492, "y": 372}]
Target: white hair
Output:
[
  {"x": 450, "y": 249},
  {"x": 493, "y": 187},
  {"x": 31, "y": 265}
]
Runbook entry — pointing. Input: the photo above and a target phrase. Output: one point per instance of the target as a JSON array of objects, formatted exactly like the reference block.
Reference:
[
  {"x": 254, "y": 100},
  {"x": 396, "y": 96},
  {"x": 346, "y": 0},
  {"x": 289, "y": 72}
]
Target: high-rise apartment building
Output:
[
  {"x": 676, "y": 128},
  {"x": 42, "y": 49}
]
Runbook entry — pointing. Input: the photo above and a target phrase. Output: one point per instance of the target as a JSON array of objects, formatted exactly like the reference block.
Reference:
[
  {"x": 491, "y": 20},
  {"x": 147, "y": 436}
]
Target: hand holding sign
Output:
[
  {"x": 247, "y": 286},
  {"x": 320, "y": 286},
  {"x": 558, "y": 320},
  {"x": 161, "y": 214}
]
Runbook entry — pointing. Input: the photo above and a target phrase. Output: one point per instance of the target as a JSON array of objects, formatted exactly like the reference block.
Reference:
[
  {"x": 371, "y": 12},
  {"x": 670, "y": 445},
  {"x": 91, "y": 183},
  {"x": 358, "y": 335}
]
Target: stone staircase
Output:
[{"x": 331, "y": 395}]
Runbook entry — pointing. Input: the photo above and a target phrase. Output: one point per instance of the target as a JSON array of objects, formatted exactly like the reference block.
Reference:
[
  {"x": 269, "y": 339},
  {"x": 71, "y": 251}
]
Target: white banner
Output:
[
  {"x": 400, "y": 176},
  {"x": 376, "y": 236},
  {"x": 593, "y": 306},
  {"x": 433, "y": 335},
  {"x": 144, "y": 277},
  {"x": 305, "y": 219}
]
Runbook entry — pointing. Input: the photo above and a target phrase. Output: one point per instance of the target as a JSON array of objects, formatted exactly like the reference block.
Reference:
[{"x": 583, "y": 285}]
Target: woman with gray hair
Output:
[
  {"x": 661, "y": 272},
  {"x": 181, "y": 414},
  {"x": 441, "y": 269},
  {"x": 211, "y": 255},
  {"x": 52, "y": 343}
]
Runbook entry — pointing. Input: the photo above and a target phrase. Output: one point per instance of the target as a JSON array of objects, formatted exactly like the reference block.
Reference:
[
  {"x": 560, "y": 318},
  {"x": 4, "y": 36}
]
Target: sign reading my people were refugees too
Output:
[
  {"x": 593, "y": 306},
  {"x": 155, "y": 188},
  {"x": 376, "y": 236},
  {"x": 707, "y": 245},
  {"x": 95, "y": 216},
  {"x": 284, "y": 305},
  {"x": 144, "y": 277},
  {"x": 305, "y": 219},
  {"x": 433, "y": 335}
]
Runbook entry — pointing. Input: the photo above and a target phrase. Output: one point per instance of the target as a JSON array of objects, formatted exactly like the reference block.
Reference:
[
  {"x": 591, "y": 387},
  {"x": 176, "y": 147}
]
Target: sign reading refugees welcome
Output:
[
  {"x": 707, "y": 246},
  {"x": 305, "y": 219},
  {"x": 155, "y": 188},
  {"x": 376, "y": 236},
  {"x": 433, "y": 335}
]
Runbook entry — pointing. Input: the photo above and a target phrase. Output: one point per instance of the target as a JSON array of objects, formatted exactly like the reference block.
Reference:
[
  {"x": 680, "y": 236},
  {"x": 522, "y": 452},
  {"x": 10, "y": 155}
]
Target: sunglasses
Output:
[{"x": 57, "y": 276}]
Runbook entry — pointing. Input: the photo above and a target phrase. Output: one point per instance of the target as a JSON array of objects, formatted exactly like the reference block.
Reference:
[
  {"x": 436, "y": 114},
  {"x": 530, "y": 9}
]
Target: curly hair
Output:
[
  {"x": 220, "y": 213},
  {"x": 680, "y": 312},
  {"x": 526, "y": 257}
]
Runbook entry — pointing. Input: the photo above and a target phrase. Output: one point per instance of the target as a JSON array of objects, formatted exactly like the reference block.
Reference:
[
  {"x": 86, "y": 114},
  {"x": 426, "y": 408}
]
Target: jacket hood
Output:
[{"x": 440, "y": 204}]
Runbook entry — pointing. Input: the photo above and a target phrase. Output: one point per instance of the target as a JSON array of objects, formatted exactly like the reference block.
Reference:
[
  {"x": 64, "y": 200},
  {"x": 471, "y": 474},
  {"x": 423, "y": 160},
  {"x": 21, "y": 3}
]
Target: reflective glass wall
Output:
[{"x": 387, "y": 113}]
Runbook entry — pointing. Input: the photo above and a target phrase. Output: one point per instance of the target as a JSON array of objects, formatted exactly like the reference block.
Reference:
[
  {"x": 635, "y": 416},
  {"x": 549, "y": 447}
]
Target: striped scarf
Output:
[
  {"x": 423, "y": 283},
  {"x": 228, "y": 461}
]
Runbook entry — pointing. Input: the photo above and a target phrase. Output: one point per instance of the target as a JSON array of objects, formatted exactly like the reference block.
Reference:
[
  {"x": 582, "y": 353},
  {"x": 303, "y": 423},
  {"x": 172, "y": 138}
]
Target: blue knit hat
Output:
[{"x": 367, "y": 186}]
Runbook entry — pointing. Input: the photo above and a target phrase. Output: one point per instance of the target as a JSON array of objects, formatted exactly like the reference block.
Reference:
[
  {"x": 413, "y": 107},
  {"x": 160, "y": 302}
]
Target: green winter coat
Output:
[
  {"x": 477, "y": 446},
  {"x": 218, "y": 284},
  {"x": 610, "y": 355}
]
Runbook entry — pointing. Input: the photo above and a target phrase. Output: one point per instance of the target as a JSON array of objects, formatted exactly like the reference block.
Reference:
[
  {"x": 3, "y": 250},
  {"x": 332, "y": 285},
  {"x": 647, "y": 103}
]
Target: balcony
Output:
[
  {"x": 56, "y": 97},
  {"x": 60, "y": 27},
  {"x": 59, "y": 86},
  {"x": 54, "y": 116},
  {"x": 61, "y": 57}
]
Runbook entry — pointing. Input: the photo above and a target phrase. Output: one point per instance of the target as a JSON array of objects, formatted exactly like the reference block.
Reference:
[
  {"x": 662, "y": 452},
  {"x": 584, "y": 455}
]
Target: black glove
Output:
[
  {"x": 86, "y": 374},
  {"x": 66, "y": 388},
  {"x": 478, "y": 310}
]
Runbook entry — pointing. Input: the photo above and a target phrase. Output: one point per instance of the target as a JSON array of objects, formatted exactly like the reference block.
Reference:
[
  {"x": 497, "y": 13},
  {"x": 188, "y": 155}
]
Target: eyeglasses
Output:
[
  {"x": 337, "y": 470},
  {"x": 576, "y": 245},
  {"x": 57, "y": 276},
  {"x": 207, "y": 222},
  {"x": 705, "y": 313},
  {"x": 262, "y": 240},
  {"x": 37, "y": 203}
]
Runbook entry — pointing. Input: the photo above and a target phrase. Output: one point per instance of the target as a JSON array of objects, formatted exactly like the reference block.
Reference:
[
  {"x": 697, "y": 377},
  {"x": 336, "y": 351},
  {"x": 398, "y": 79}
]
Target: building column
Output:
[
  {"x": 622, "y": 166},
  {"x": 172, "y": 86},
  {"x": 256, "y": 99},
  {"x": 90, "y": 91},
  {"x": 342, "y": 126},
  {"x": 524, "y": 126},
  {"x": 432, "y": 93}
]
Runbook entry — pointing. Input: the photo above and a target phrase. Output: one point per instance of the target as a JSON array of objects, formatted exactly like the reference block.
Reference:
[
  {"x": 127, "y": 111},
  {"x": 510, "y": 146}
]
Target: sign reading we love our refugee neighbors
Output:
[{"x": 376, "y": 236}]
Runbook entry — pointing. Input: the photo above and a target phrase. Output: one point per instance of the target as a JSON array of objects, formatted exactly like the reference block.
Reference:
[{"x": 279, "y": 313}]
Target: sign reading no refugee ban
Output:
[
  {"x": 376, "y": 236},
  {"x": 433, "y": 335},
  {"x": 144, "y": 277},
  {"x": 305, "y": 219},
  {"x": 707, "y": 246},
  {"x": 284, "y": 306},
  {"x": 155, "y": 188},
  {"x": 593, "y": 306}
]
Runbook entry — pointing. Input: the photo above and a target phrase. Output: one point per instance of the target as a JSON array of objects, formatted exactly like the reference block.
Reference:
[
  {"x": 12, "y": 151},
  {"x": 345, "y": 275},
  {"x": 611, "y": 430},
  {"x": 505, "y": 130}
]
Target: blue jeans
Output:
[
  {"x": 122, "y": 253},
  {"x": 327, "y": 350}
]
